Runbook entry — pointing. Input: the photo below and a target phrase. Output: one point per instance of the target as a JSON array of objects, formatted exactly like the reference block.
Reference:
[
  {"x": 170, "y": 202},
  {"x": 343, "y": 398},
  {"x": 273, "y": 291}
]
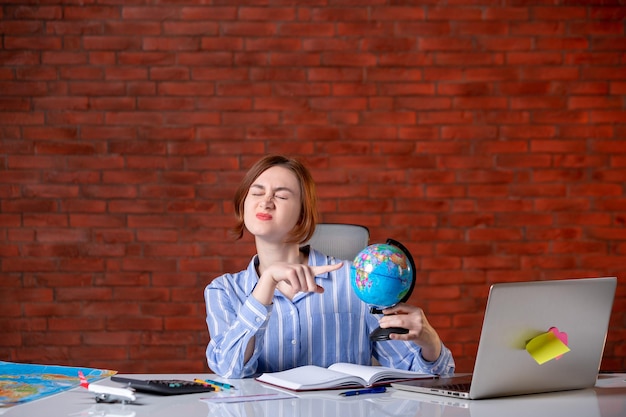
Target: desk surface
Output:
[{"x": 607, "y": 399}]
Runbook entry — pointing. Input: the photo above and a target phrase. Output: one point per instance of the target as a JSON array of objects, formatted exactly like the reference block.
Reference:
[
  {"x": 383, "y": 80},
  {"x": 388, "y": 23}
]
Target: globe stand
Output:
[{"x": 380, "y": 334}]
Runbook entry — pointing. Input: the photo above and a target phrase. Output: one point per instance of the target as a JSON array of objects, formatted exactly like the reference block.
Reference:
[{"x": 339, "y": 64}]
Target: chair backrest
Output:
[{"x": 343, "y": 241}]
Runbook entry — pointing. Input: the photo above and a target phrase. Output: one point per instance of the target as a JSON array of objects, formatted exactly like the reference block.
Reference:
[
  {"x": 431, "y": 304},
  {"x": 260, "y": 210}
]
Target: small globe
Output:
[{"x": 382, "y": 275}]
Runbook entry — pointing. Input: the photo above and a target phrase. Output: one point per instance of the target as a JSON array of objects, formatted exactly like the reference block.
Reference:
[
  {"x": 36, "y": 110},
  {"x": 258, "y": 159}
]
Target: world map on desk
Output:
[{"x": 20, "y": 382}]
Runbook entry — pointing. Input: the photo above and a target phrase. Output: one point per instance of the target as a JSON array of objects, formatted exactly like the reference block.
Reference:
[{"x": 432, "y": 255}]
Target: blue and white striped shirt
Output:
[{"x": 311, "y": 329}]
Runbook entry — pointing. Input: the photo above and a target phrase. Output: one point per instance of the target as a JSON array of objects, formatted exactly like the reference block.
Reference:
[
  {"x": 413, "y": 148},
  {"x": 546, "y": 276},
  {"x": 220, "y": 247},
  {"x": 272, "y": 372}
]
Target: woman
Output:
[{"x": 295, "y": 306}]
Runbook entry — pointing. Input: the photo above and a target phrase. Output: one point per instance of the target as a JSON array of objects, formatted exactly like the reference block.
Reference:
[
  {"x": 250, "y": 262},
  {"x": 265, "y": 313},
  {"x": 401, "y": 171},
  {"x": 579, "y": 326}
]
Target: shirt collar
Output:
[{"x": 316, "y": 258}]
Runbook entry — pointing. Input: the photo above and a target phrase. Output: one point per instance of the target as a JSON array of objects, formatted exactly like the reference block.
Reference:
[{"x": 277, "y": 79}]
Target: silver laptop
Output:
[{"x": 519, "y": 312}]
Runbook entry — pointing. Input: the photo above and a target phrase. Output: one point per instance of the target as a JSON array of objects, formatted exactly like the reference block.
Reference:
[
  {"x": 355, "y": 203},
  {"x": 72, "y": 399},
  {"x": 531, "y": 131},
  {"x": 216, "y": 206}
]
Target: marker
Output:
[
  {"x": 205, "y": 383},
  {"x": 375, "y": 390},
  {"x": 219, "y": 384}
]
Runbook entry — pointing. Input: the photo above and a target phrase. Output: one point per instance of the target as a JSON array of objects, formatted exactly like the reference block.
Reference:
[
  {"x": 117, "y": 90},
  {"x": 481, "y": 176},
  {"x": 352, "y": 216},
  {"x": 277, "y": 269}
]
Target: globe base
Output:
[{"x": 380, "y": 334}]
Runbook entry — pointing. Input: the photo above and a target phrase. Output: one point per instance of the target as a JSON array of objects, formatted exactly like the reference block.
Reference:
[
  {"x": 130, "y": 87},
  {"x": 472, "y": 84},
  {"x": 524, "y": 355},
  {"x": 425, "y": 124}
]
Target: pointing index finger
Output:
[{"x": 322, "y": 269}]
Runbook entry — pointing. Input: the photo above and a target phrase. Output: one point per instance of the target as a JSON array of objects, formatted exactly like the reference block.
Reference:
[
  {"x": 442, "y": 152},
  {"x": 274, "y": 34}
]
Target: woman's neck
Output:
[{"x": 269, "y": 254}]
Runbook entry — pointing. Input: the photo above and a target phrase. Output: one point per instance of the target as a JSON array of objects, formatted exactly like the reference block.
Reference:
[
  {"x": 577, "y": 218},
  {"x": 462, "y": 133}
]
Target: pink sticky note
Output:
[{"x": 562, "y": 336}]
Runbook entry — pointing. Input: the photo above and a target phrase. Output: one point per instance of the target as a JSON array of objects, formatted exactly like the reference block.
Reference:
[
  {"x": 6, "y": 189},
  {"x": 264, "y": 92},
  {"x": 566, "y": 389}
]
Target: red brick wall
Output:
[{"x": 488, "y": 136}]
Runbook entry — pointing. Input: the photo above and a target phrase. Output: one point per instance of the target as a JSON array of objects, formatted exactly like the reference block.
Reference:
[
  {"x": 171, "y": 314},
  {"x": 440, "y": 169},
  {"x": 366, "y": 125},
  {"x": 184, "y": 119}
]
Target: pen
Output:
[
  {"x": 219, "y": 384},
  {"x": 206, "y": 383},
  {"x": 375, "y": 390}
]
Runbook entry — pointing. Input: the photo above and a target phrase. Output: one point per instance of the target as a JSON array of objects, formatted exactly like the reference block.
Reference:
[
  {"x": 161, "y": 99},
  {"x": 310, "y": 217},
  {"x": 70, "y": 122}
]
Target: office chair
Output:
[{"x": 343, "y": 241}]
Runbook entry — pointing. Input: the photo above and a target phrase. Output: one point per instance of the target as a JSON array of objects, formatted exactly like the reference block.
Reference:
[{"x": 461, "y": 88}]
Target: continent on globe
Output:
[{"x": 382, "y": 275}]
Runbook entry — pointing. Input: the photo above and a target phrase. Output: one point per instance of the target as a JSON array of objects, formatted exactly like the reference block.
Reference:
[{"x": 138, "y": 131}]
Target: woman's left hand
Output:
[{"x": 420, "y": 331}]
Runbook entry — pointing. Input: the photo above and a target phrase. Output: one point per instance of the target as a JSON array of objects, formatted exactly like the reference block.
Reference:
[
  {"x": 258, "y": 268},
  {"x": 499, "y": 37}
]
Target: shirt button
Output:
[
  {"x": 293, "y": 341},
  {"x": 258, "y": 319}
]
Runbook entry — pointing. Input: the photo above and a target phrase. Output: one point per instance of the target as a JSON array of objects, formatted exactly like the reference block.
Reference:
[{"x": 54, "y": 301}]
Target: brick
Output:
[
  {"x": 618, "y": 161},
  {"x": 607, "y": 116},
  {"x": 529, "y": 219},
  {"x": 331, "y": 74},
  {"x": 32, "y": 43},
  {"x": 348, "y": 59},
  {"x": 340, "y": 14},
  {"x": 435, "y": 43},
  {"x": 617, "y": 87},
  {"x": 126, "y": 74},
  {"x": 107, "y": 191},
  {"x": 21, "y": 27},
  {"x": 150, "y": 13},
  {"x": 132, "y": 264},
  {"x": 592, "y": 58},
  {"x": 558, "y": 146},
  {"x": 244, "y": 89},
  {"x": 136, "y": 206},
  {"x": 329, "y": 44},
  {"x": 96, "y": 220},
  {"x": 28, "y": 88},
  {"x": 27, "y": 12},
  {"x": 535, "y": 58},
  {"x": 68, "y": 149},
  {"x": 389, "y": 44},
  {"x": 605, "y": 73},
  {"x": 611, "y": 176},
  {"x": 267, "y": 13},
  {"x": 273, "y": 74},
  {"x": 591, "y": 28},
  {"x": 169, "y": 73},
  {"x": 81, "y": 73},
  {"x": 560, "y": 13},
  {"x": 538, "y": 28},
  {"x": 188, "y": 280},
  {"x": 485, "y": 74},
  {"x": 475, "y": 59},
  {"x": 28, "y": 265},
  {"x": 607, "y": 13},
  {"x": 44, "y": 220},
  {"x": 204, "y": 13},
  {"x": 609, "y": 44},
  {"x": 14, "y": 104},
  {"x": 152, "y": 162},
  {"x": 248, "y": 29},
  {"x": 563, "y": 43},
  {"x": 506, "y": 13},
  {"x": 27, "y": 205},
  {"x": 361, "y": 29},
  {"x": 74, "y": 118},
  {"x": 181, "y": 323},
  {"x": 417, "y": 103},
  {"x": 82, "y": 206},
  {"x": 41, "y": 73},
  {"x": 565, "y": 116},
  {"x": 469, "y": 132},
  {"x": 10, "y": 220},
  {"x": 63, "y": 58},
  {"x": 18, "y": 177},
  {"x": 133, "y": 118}
]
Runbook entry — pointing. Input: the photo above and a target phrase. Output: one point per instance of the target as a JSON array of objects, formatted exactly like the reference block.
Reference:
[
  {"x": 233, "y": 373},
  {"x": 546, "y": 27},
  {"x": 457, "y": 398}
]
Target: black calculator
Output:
[{"x": 163, "y": 386}]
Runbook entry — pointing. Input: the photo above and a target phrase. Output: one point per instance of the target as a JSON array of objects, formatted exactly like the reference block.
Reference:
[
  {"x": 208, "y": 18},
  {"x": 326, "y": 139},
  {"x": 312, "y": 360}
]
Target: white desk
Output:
[{"x": 607, "y": 399}]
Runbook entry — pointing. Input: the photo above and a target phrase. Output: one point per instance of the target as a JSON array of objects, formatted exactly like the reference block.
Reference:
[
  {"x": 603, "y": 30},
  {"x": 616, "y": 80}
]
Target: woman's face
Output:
[{"x": 273, "y": 204}]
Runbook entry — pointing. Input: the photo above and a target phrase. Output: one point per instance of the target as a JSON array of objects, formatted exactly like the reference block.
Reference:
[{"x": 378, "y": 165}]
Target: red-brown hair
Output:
[{"x": 305, "y": 226}]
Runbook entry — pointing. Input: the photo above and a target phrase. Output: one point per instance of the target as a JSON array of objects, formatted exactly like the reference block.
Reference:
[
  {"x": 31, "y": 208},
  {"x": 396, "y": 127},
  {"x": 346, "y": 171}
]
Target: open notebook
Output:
[{"x": 523, "y": 312}]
